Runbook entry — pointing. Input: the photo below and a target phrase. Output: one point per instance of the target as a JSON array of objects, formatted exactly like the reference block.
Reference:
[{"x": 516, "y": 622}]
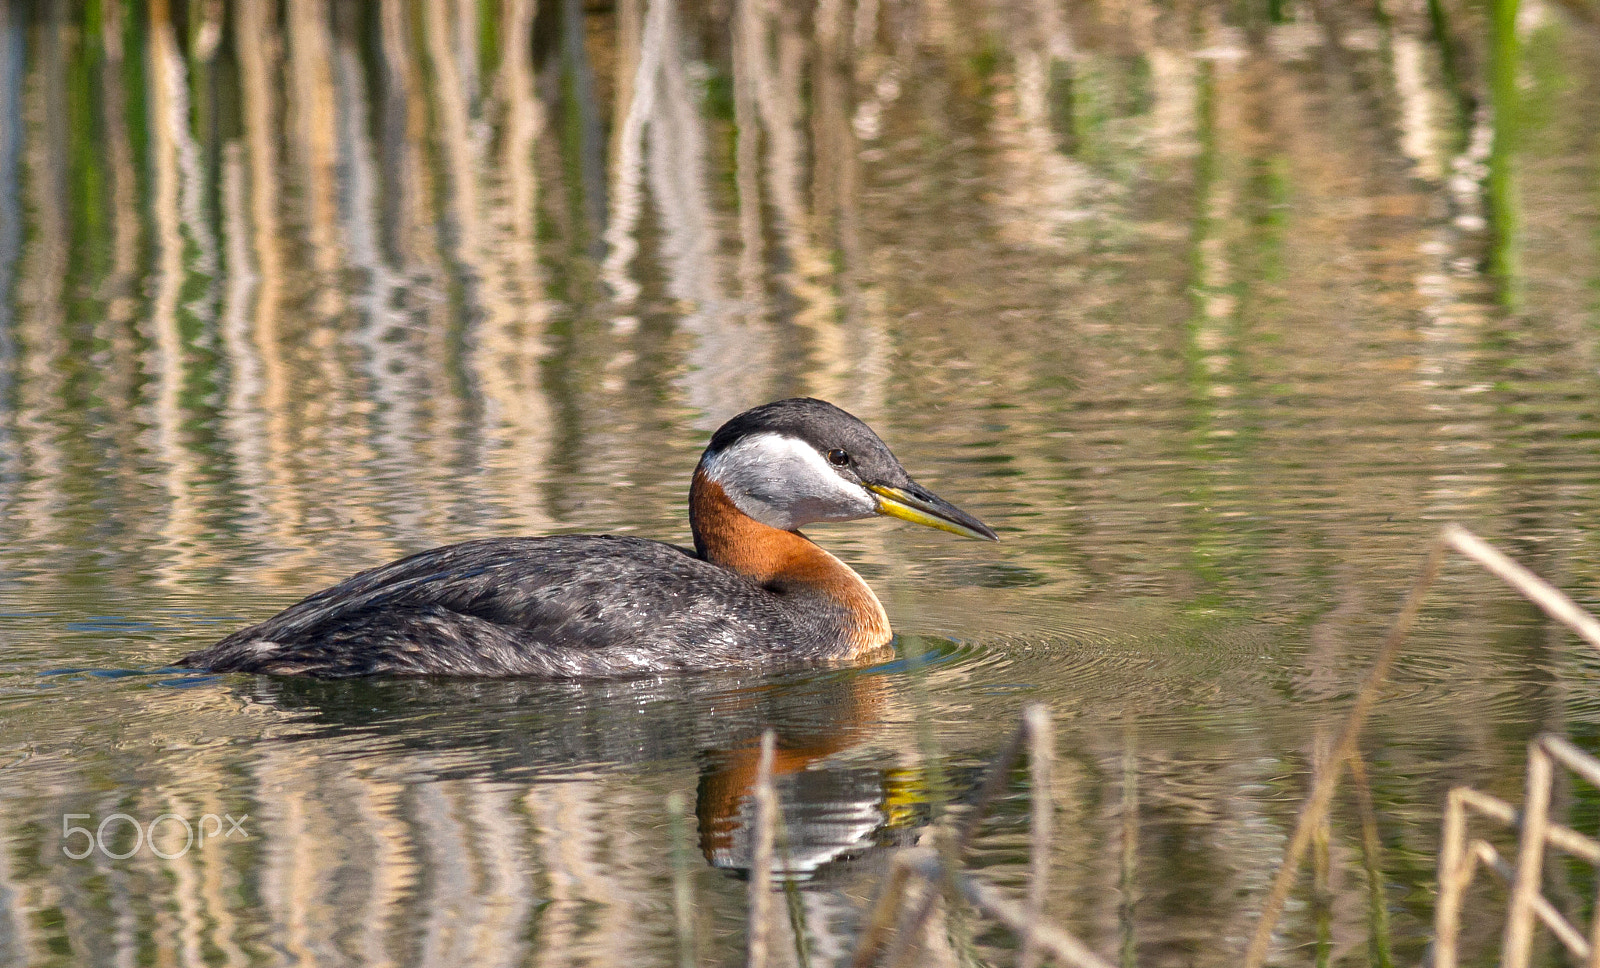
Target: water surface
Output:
[{"x": 1208, "y": 309}]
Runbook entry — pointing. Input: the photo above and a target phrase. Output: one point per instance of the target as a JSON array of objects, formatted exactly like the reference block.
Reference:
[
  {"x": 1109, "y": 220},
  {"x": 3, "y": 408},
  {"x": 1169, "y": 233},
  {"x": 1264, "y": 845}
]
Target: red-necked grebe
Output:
[{"x": 753, "y": 590}]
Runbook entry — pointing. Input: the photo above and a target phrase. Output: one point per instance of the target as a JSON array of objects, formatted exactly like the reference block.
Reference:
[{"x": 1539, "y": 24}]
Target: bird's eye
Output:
[{"x": 838, "y": 458}]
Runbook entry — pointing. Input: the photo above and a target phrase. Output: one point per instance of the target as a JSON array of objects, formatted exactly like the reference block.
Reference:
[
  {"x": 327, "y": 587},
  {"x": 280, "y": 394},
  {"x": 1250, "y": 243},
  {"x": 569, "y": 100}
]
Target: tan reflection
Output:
[
  {"x": 513, "y": 347},
  {"x": 1046, "y": 192},
  {"x": 294, "y": 848},
  {"x": 1217, "y": 304},
  {"x": 257, "y": 44},
  {"x": 774, "y": 83},
  {"x": 216, "y": 877},
  {"x": 330, "y": 449},
  {"x": 473, "y": 914},
  {"x": 169, "y": 134},
  {"x": 835, "y": 161},
  {"x": 394, "y": 194},
  {"x": 442, "y": 178},
  {"x": 494, "y": 219},
  {"x": 119, "y": 162},
  {"x": 391, "y": 397},
  {"x": 18, "y": 896},
  {"x": 574, "y": 840},
  {"x": 392, "y": 862},
  {"x": 41, "y": 276},
  {"x": 362, "y": 216},
  {"x": 864, "y": 345},
  {"x": 314, "y": 137},
  {"x": 1421, "y": 135},
  {"x": 182, "y": 918},
  {"x": 495, "y": 821},
  {"x": 627, "y": 199},
  {"x": 748, "y": 43},
  {"x": 120, "y": 363},
  {"x": 243, "y": 426}
]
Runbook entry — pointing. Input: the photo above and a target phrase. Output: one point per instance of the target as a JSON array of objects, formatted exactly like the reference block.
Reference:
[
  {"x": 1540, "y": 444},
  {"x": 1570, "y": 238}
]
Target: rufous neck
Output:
[{"x": 782, "y": 561}]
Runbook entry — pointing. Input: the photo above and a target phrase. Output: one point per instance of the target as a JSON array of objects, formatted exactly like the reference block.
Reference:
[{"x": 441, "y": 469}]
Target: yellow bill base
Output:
[{"x": 898, "y": 504}]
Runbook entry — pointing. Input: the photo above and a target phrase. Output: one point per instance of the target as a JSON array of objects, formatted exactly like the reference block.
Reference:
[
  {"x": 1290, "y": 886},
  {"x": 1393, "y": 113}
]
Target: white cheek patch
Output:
[{"x": 784, "y": 483}]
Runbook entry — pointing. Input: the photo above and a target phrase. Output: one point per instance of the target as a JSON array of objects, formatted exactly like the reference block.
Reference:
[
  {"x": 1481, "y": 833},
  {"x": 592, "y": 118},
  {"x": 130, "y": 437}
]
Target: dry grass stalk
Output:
[
  {"x": 682, "y": 887},
  {"x": 1371, "y": 849},
  {"x": 1317, "y": 804},
  {"x": 884, "y": 910},
  {"x": 1041, "y": 754},
  {"x": 901, "y": 942},
  {"x": 1489, "y": 858},
  {"x": 927, "y": 863},
  {"x": 1059, "y": 943},
  {"x": 1579, "y": 845},
  {"x": 766, "y": 803},
  {"x": 1530, "y": 862},
  {"x": 1574, "y": 759},
  {"x": 937, "y": 869},
  {"x": 1535, "y": 589},
  {"x": 1460, "y": 858},
  {"x": 791, "y": 891},
  {"x": 1594, "y": 938}
]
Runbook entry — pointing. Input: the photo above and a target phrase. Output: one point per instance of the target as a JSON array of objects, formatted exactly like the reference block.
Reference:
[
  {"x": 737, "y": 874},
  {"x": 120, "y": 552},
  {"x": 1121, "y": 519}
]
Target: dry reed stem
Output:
[
  {"x": 1316, "y": 806},
  {"x": 884, "y": 910},
  {"x": 1530, "y": 862},
  {"x": 1535, "y": 589},
  {"x": 1035, "y": 732},
  {"x": 682, "y": 887},
  {"x": 1059, "y": 943},
  {"x": 1455, "y": 872},
  {"x": 910, "y": 928},
  {"x": 1579, "y": 845},
  {"x": 1574, "y": 759},
  {"x": 1553, "y": 919},
  {"x": 766, "y": 805},
  {"x": 1458, "y": 859},
  {"x": 1531, "y": 586},
  {"x": 1041, "y": 754},
  {"x": 1594, "y": 938},
  {"x": 1371, "y": 849}
]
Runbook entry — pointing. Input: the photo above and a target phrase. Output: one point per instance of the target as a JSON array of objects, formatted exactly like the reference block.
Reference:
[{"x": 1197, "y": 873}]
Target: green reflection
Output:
[{"x": 1501, "y": 186}]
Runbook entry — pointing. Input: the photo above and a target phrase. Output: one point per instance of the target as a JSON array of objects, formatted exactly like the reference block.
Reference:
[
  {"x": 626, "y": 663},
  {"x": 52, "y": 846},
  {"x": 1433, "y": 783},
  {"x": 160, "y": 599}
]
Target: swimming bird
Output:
[{"x": 753, "y": 589}]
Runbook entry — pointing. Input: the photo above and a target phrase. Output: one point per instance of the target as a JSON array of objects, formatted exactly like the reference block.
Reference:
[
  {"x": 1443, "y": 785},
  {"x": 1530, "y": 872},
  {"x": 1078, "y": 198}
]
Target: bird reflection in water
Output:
[{"x": 840, "y": 792}]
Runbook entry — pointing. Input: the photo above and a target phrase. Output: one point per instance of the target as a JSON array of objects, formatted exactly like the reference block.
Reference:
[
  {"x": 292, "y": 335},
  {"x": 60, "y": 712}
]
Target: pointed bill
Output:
[{"x": 929, "y": 510}]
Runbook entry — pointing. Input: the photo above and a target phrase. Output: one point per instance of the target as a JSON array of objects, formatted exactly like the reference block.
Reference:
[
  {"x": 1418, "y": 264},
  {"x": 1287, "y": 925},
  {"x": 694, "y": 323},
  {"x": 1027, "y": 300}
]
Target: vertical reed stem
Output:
[
  {"x": 1322, "y": 790},
  {"x": 1452, "y": 882},
  {"x": 758, "y": 931},
  {"x": 1518, "y": 943},
  {"x": 682, "y": 887},
  {"x": 884, "y": 910},
  {"x": 1041, "y": 754},
  {"x": 1372, "y": 850}
]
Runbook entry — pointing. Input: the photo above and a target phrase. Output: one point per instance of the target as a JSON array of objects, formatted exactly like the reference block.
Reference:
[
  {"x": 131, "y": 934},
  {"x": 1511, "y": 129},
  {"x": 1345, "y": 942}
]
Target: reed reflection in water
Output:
[{"x": 1194, "y": 300}]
